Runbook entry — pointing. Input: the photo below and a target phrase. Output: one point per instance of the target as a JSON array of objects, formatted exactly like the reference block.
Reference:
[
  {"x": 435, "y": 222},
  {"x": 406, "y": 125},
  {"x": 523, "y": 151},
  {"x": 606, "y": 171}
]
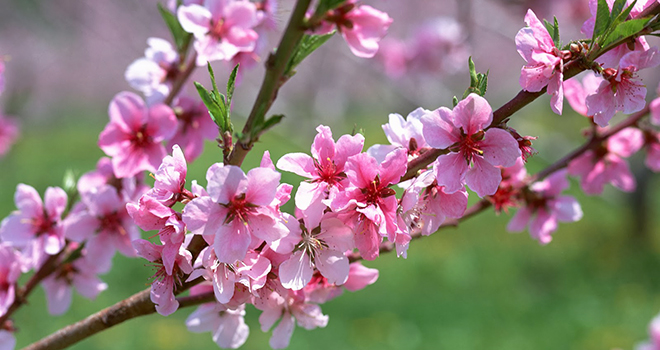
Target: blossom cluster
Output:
[{"x": 230, "y": 238}]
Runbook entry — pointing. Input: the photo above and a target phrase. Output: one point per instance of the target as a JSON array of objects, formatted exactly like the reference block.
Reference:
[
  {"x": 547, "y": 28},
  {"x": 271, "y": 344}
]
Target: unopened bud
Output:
[{"x": 575, "y": 48}]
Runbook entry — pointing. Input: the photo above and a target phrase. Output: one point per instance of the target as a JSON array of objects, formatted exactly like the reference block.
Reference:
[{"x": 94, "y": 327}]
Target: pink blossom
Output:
[
  {"x": 162, "y": 288},
  {"x": 474, "y": 152},
  {"x": 134, "y": 135},
  {"x": 513, "y": 180},
  {"x": 402, "y": 133},
  {"x": 545, "y": 207},
  {"x": 103, "y": 222},
  {"x": 153, "y": 75},
  {"x": 437, "y": 46},
  {"x": 227, "y": 325},
  {"x": 324, "y": 169},
  {"x": 361, "y": 26},
  {"x": 250, "y": 272},
  {"x": 393, "y": 54},
  {"x": 242, "y": 219},
  {"x": 287, "y": 307},
  {"x": 170, "y": 179},
  {"x": 222, "y": 28},
  {"x": 10, "y": 270},
  {"x": 80, "y": 274},
  {"x": 195, "y": 126},
  {"x": 621, "y": 91},
  {"x": 36, "y": 225},
  {"x": 433, "y": 205},
  {"x": 129, "y": 188},
  {"x": 320, "y": 246},
  {"x": 605, "y": 164},
  {"x": 544, "y": 61},
  {"x": 368, "y": 26},
  {"x": 151, "y": 214},
  {"x": 8, "y": 134},
  {"x": 576, "y": 93},
  {"x": 369, "y": 205}
]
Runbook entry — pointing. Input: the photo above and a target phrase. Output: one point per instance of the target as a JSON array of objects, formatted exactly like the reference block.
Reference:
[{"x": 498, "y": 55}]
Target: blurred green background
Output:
[{"x": 596, "y": 286}]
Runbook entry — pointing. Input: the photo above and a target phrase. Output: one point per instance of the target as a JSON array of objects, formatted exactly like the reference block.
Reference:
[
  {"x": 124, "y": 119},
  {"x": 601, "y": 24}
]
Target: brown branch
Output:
[
  {"x": 181, "y": 79},
  {"x": 273, "y": 80},
  {"x": 20, "y": 294},
  {"x": 590, "y": 144},
  {"x": 137, "y": 305}
]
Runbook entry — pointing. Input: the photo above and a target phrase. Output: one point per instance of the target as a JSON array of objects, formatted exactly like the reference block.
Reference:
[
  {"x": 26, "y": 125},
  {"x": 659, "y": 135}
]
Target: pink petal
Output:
[
  {"x": 450, "y": 170},
  {"x": 55, "y": 202},
  {"x": 298, "y": 163},
  {"x": 472, "y": 114},
  {"x": 333, "y": 265},
  {"x": 225, "y": 182},
  {"x": 231, "y": 242},
  {"x": 297, "y": 271},
  {"x": 500, "y": 148},
  {"x": 566, "y": 209},
  {"x": 58, "y": 295},
  {"x": 483, "y": 178},
  {"x": 282, "y": 333},
  {"x": 223, "y": 284},
  {"x": 194, "y": 19},
  {"x": 519, "y": 221},
  {"x": 360, "y": 276},
  {"x": 262, "y": 186},
  {"x": 542, "y": 226},
  {"x": 438, "y": 128}
]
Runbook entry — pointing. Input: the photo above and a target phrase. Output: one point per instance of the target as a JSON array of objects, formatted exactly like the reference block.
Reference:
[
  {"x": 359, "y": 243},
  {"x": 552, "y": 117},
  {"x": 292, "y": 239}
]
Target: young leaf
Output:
[
  {"x": 625, "y": 29},
  {"x": 553, "y": 30},
  {"x": 231, "y": 83},
  {"x": 305, "y": 47},
  {"x": 326, "y": 5},
  {"x": 217, "y": 110},
  {"x": 602, "y": 19},
  {"x": 180, "y": 36},
  {"x": 267, "y": 124},
  {"x": 617, "y": 7},
  {"x": 473, "y": 72}
]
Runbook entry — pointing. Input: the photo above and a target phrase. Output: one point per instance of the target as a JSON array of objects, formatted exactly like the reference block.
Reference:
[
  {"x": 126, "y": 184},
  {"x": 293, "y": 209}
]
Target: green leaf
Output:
[
  {"x": 305, "y": 47},
  {"x": 217, "y": 111},
  {"x": 478, "y": 82},
  {"x": 617, "y": 8},
  {"x": 625, "y": 29},
  {"x": 553, "y": 30},
  {"x": 326, "y": 5},
  {"x": 454, "y": 101},
  {"x": 483, "y": 83},
  {"x": 231, "y": 84},
  {"x": 602, "y": 19},
  {"x": 180, "y": 36},
  {"x": 267, "y": 124},
  {"x": 473, "y": 72}
]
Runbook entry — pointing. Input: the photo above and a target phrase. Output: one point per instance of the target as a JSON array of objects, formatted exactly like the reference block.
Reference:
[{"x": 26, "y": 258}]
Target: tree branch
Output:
[
  {"x": 137, "y": 305},
  {"x": 273, "y": 80}
]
